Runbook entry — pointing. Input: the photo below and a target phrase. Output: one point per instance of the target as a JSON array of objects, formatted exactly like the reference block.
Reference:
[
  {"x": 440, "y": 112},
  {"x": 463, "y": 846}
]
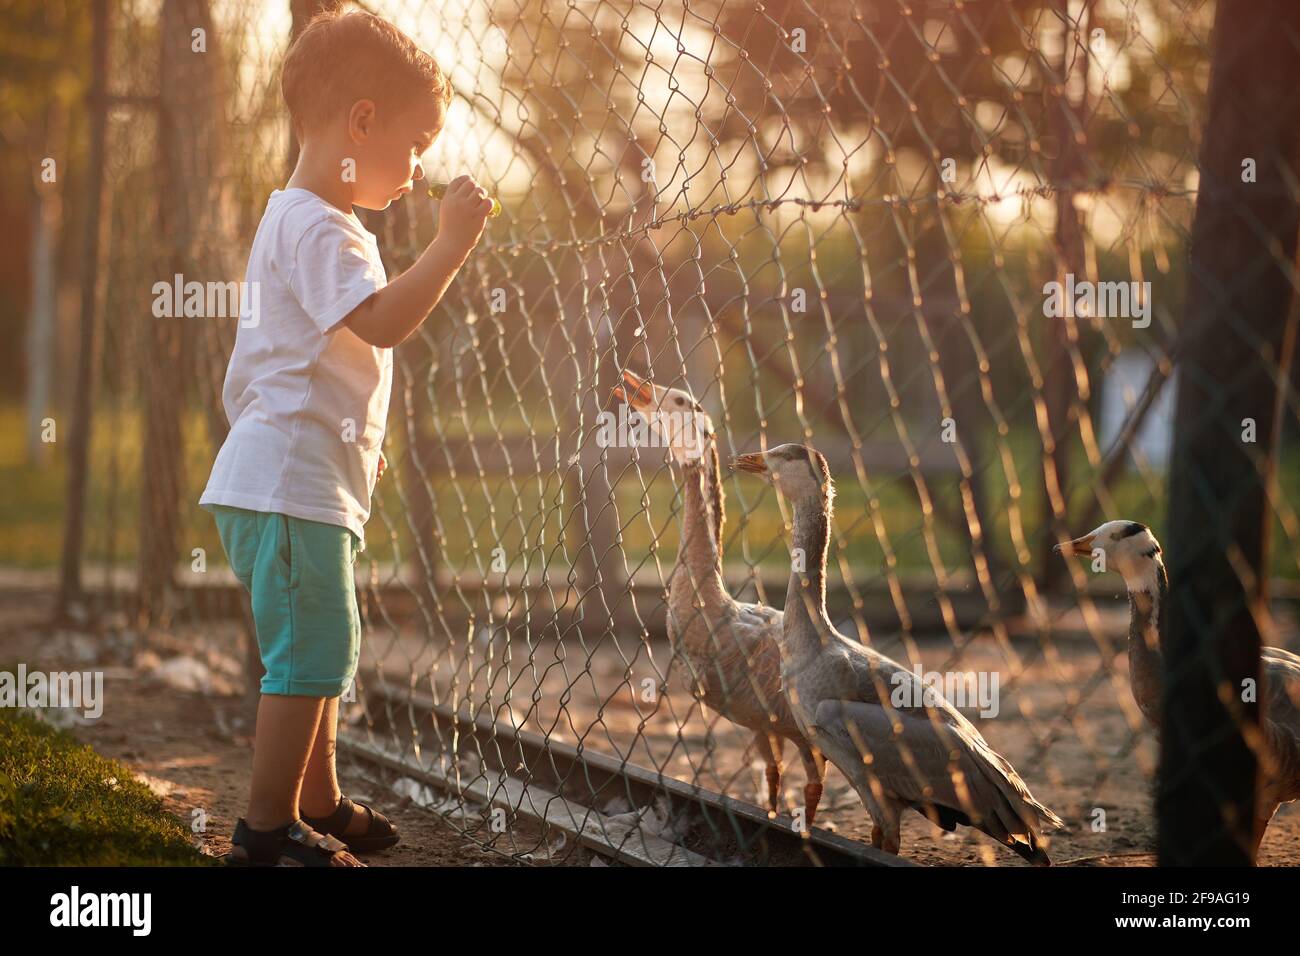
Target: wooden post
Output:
[
  {"x": 1059, "y": 385},
  {"x": 82, "y": 420},
  {"x": 195, "y": 231},
  {"x": 1238, "y": 300}
]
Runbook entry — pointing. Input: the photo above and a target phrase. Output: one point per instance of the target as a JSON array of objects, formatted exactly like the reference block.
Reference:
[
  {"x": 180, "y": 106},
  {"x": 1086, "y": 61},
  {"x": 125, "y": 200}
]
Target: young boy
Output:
[{"x": 307, "y": 397}]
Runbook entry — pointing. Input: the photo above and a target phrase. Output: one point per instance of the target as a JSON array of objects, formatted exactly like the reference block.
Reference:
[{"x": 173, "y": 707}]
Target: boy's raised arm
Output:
[{"x": 389, "y": 316}]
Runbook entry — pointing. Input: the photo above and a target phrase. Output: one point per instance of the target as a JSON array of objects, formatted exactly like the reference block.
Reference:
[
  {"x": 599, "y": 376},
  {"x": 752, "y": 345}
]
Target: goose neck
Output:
[
  {"x": 1146, "y": 671},
  {"x": 807, "y": 625},
  {"x": 701, "y": 547}
]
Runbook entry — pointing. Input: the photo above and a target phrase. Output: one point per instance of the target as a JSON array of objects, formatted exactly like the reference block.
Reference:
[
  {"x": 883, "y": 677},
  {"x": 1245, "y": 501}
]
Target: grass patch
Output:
[
  {"x": 62, "y": 804},
  {"x": 533, "y": 515}
]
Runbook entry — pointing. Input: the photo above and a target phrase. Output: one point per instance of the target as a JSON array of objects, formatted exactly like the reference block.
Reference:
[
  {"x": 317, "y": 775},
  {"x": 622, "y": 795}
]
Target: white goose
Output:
[
  {"x": 729, "y": 648},
  {"x": 1132, "y": 550},
  {"x": 897, "y": 741}
]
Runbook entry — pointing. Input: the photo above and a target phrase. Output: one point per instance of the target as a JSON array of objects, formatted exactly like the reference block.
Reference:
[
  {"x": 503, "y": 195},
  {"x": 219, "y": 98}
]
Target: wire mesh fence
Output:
[{"x": 945, "y": 244}]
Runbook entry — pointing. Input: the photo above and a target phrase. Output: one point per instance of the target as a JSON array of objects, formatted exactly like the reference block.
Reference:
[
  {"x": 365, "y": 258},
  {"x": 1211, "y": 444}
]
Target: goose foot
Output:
[
  {"x": 812, "y": 796},
  {"x": 888, "y": 842},
  {"x": 773, "y": 787}
]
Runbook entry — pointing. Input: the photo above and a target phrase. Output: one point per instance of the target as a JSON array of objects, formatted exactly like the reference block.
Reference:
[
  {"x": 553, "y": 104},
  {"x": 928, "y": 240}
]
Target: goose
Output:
[
  {"x": 729, "y": 648},
  {"x": 899, "y": 742},
  {"x": 1133, "y": 551}
]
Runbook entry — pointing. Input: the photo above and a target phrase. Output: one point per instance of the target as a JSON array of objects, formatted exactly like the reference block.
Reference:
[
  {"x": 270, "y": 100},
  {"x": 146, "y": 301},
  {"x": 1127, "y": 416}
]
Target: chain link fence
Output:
[{"x": 946, "y": 244}]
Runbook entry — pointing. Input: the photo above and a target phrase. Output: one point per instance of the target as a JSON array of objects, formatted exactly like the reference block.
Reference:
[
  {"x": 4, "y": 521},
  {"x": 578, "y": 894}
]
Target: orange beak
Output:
[
  {"x": 1077, "y": 546},
  {"x": 752, "y": 463},
  {"x": 636, "y": 391}
]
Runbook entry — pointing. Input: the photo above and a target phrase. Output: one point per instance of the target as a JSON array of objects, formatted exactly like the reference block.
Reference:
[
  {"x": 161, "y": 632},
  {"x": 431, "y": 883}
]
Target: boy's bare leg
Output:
[
  {"x": 320, "y": 783},
  {"x": 286, "y": 729}
]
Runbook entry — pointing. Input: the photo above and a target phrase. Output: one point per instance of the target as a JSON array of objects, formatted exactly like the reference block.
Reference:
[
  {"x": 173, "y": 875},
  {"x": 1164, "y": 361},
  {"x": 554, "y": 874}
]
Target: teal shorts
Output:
[{"x": 299, "y": 574}]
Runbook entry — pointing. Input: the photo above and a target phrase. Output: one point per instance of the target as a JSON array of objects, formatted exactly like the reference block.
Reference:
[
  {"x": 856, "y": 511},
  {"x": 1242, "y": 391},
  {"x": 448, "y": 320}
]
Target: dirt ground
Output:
[
  {"x": 1067, "y": 722},
  {"x": 194, "y": 749},
  {"x": 174, "y": 714}
]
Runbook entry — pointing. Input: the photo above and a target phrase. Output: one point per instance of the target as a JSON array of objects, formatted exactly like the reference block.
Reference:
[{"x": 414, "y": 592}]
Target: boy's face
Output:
[{"x": 388, "y": 149}]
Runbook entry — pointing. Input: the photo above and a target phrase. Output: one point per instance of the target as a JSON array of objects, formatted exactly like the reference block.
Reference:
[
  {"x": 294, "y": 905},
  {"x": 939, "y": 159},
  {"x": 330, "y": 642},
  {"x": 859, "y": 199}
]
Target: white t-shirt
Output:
[{"x": 307, "y": 399}]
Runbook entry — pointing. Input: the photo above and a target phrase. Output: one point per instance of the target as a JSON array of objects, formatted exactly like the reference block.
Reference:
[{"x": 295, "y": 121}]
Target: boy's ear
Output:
[{"x": 361, "y": 119}]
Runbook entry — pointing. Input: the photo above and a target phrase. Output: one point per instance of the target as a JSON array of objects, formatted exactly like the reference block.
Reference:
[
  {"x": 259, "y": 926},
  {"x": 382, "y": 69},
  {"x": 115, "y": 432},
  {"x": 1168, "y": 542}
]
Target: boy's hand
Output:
[
  {"x": 464, "y": 211},
  {"x": 383, "y": 466},
  {"x": 390, "y": 315}
]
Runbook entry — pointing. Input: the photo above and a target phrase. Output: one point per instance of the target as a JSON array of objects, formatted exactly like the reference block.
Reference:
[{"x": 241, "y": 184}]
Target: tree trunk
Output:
[
  {"x": 46, "y": 216},
  {"x": 87, "y": 357},
  {"x": 1238, "y": 299}
]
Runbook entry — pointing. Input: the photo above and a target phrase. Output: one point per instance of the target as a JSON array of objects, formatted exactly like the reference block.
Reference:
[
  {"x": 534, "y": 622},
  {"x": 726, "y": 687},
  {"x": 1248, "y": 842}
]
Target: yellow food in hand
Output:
[{"x": 439, "y": 190}]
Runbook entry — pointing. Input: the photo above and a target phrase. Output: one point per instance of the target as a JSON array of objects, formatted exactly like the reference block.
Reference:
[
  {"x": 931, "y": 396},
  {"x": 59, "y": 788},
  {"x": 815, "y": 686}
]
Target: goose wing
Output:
[
  {"x": 1281, "y": 715},
  {"x": 937, "y": 767},
  {"x": 1281, "y": 670},
  {"x": 734, "y": 663},
  {"x": 882, "y": 681},
  {"x": 902, "y": 706},
  {"x": 758, "y": 620},
  {"x": 743, "y": 630},
  {"x": 757, "y": 630}
]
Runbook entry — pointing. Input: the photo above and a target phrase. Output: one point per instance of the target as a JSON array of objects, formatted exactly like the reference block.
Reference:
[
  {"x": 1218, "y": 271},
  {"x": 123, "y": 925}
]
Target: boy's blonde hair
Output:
[{"x": 340, "y": 58}]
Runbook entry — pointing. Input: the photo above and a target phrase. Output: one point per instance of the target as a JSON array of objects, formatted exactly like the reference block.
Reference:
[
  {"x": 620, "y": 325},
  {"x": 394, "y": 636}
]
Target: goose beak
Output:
[
  {"x": 1077, "y": 546},
  {"x": 636, "y": 391},
  {"x": 752, "y": 463}
]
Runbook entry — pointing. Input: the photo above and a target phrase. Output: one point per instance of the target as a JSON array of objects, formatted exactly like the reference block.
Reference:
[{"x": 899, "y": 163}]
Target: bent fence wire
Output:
[{"x": 830, "y": 223}]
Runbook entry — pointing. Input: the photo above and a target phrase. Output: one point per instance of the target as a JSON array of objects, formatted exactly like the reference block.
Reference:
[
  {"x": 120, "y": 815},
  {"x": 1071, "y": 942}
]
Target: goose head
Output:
[
  {"x": 797, "y": 471},
  {"x": 1129, "y": 548},
  {"x": 676, "y": 420}
]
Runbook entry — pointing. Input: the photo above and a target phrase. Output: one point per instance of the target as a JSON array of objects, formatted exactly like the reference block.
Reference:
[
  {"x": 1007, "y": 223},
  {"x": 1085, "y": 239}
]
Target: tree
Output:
[{"x": 43, "y": 77}]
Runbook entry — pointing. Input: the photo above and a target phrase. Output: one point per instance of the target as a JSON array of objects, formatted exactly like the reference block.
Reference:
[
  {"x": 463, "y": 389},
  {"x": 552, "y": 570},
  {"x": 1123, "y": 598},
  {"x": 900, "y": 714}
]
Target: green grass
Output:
[
  {"x": 62, "y": 804},
  {"x": 479, "y": 513},
  {"x": 31, "y": 508}
]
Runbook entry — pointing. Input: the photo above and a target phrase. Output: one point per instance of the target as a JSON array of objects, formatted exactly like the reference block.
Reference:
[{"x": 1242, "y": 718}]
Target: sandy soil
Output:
[{"x": 1067, "y": 723}]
